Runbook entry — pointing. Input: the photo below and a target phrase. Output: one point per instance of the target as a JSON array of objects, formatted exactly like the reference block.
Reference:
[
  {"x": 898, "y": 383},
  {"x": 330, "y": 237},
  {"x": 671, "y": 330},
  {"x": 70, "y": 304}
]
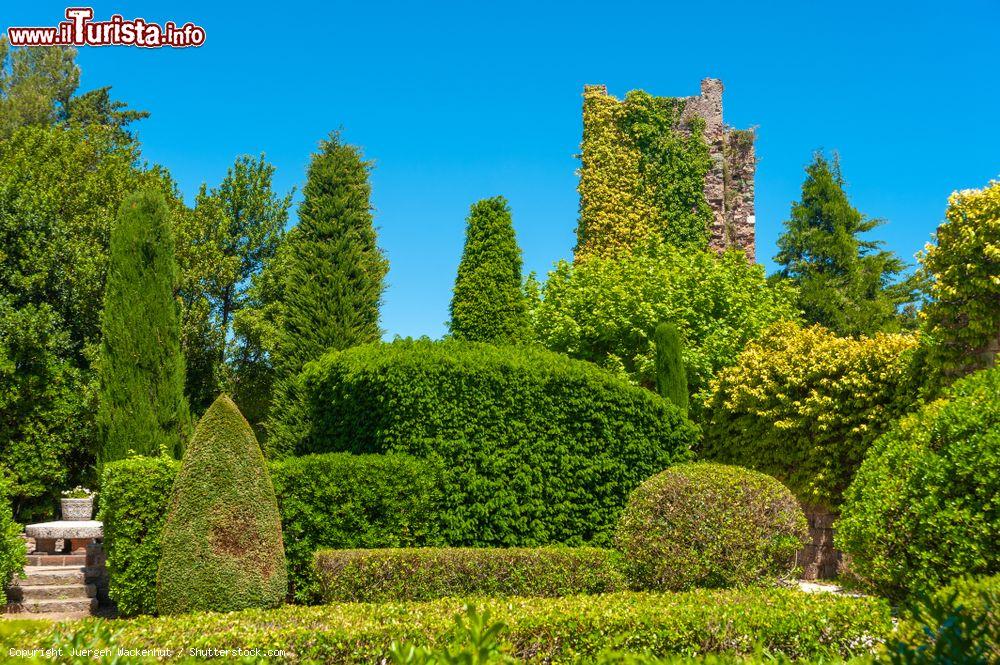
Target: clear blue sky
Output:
[{"x": 460, "y": 101}]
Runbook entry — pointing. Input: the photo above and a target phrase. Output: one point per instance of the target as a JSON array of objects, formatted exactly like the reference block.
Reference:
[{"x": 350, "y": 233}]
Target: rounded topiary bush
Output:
[
  {"x": 12, "y": 549},
  {"x": 222, "y": 547},
  {"x": 709, "y": 525},
  {"x": 535, "y": 448},
  {"x": 925, "y": 505}
]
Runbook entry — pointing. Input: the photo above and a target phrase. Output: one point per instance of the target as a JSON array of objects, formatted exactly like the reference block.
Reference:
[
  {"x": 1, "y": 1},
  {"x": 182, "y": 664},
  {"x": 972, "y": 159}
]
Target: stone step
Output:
[
  {"x": 57, "y": 560},
  {"x": 25, "y": 593},
  {"x": 39, "y": 575},
  {"x": 54, "y": 606}
]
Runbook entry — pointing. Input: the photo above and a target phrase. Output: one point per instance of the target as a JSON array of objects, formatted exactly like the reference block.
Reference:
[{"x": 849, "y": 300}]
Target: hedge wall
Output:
[
  {"x": 348, "y": 501},
  {"x": 804, "y": 405},
  {"x": 437, "y": 572},
  {"x": 336, "y": 500},
  {"x": 554, "y": 630},
  {"x": 133, "y": 504},
  {"x": 535, "y": 448}
]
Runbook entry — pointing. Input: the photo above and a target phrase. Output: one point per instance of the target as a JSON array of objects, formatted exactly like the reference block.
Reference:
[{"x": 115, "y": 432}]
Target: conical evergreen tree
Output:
[
  {"x": 845, "y": 283},
  {"x": 142, "y": 406},
  {"x": 671, "y": 377},
  {"x": 488, "y": 304},
  {"x": 222, "y": 548},
  {"x": 332, "y": 272}
]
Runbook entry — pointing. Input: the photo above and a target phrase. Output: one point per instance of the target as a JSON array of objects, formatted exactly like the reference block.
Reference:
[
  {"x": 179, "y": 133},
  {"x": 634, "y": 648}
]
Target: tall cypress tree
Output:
[
  {"x": 142, "y": 406},
  {"x": 332, "y": 271},
  {"x": 488, "y": 304},
  {"x": 845, "y": 283},
  {"x": 671, "y": 377}
]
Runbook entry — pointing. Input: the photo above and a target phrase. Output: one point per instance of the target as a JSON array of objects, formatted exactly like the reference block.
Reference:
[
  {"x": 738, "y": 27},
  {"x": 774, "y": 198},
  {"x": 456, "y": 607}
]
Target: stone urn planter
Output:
[{"x": 77, "y": 510}]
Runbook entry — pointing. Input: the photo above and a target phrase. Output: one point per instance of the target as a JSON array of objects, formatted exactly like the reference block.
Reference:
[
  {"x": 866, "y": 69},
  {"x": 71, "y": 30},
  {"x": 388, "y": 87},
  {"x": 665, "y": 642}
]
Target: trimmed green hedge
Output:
[
  {"x": 710, "y": 525},
  {"x": 555, "y": 630},
  {"x": 345, "y": 501},
  {"x": 429, "y": 573},
  {"x": 535, "y": 448},
  {"x": 925, "y": 506},
  {"x": 337, "y": 500},
  {"x": 134, "y": 497}
]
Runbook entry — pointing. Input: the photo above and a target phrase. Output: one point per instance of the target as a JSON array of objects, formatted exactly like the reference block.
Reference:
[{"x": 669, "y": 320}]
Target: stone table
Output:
[{"x": 77, "y": 535}]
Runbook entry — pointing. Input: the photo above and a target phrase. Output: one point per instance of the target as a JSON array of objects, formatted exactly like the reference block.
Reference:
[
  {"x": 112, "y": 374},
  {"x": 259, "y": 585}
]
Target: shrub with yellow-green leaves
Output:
[
  {"x": 804, "y": 405},
  {"x": 642, "y": 174},
  {"x": 963, "y": 318}
]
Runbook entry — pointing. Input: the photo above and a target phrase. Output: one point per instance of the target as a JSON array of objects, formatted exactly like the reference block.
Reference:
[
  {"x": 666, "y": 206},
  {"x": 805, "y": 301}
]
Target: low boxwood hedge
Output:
[
  {"x": 437, "y": 572},
  {"x": 535, "y": 448},
  {"x": 554, "y": 630}
]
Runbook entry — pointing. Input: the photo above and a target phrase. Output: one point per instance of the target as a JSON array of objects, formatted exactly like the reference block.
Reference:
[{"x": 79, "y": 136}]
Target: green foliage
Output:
[
  {"x": 142, "y": 407},
  {"x": 844, "y": 283},
  {"x": 709, "y": 525},
  {"x": 671, "y": 377},
  {"x": 605, "y": 310},
  {"x": 45, "y": 409},
  {"x": 555, "y": 630},
  {"x": 351, "y": 501},
  {"x": 925, "y": 505},
  {"x": 134, "y": 499},
  {"x": 488, "y": 304},
  {"x": 642, "y": 175},
  {"x": 12, "y": 549},
  {"x": 233, "y": 232},
  {"x": 534, "y": 447},
  {"x": 382, "y": 575},
  {"x": 222, "y": 545},
  {"x": 959, "y": 623},
  {"x": 963, "y": 317},
  {"x": 37, "y": 88},
  {"x": 60, "y": 191},
  {"x": 803, "y": 405},
  {"x": 476, "y": 641},
  {"x": 332, "y": 274}
]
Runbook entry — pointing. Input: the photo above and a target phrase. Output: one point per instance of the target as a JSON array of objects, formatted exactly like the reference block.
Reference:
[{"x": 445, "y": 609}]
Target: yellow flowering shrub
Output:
[
  {"x": 963, "y": 318},
  {"x": 804, "y": 405}
]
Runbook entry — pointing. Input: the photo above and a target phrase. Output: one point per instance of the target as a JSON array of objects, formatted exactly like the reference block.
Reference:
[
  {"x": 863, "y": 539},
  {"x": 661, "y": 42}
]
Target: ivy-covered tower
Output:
[{"x": 663, "y": 168}]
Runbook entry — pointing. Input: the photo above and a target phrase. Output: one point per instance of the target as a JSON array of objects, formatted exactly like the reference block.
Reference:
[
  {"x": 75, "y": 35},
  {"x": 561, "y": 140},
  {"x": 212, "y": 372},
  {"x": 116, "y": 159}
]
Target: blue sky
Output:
[{"x": 460, "y": 101}]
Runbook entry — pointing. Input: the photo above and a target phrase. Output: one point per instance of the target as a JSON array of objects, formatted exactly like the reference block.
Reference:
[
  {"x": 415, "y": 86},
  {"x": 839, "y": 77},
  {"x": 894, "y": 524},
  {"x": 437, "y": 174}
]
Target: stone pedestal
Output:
[{"x": 62, "y": 543}]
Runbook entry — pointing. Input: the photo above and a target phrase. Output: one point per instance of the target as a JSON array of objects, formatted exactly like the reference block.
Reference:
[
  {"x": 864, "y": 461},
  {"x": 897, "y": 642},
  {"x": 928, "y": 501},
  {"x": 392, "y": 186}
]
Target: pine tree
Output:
[
  {"x": 488, "y": 304},
  {"x": 222, "y": 547},
  {"x": 845, "y": 283},
  {"x": 332, "y": 271},
  {"x": 671, "y": 377},
  {"x": 142, "y": 406}
]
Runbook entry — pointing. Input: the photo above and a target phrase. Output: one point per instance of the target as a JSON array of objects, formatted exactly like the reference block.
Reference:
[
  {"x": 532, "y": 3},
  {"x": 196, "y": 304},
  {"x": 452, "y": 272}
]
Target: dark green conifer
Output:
[
  {"x": 222, "y": 548},
  {"x": 142, "y": 407},
  {"x": 671, "y": 377},
  {"x": 488, "y": 304},
  {"x": 332, "y": 273},
  {"x": 845, "y": 283}
]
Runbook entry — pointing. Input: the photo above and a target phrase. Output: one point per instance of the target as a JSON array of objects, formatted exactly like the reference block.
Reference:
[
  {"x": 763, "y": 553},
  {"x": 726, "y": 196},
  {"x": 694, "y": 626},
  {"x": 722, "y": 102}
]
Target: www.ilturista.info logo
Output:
[{"x": 80, "y": 30}]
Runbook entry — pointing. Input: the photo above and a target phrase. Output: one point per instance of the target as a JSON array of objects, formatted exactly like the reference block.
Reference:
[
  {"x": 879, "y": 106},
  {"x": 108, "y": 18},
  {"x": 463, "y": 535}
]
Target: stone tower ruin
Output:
[{"x": 728, "y": 183}]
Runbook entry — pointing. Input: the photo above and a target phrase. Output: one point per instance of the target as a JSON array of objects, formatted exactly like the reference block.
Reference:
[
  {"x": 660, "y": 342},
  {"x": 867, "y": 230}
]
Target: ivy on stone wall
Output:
[{"x": 642, "y": 176}]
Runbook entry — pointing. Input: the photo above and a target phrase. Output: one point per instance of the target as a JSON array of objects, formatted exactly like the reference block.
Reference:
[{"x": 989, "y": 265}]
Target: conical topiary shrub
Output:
[{"x": 222, "y": 547}]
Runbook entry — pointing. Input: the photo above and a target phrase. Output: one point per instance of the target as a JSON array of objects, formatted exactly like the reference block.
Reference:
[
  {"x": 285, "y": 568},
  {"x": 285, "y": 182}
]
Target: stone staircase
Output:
[{"x": 55, "y": 589}]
